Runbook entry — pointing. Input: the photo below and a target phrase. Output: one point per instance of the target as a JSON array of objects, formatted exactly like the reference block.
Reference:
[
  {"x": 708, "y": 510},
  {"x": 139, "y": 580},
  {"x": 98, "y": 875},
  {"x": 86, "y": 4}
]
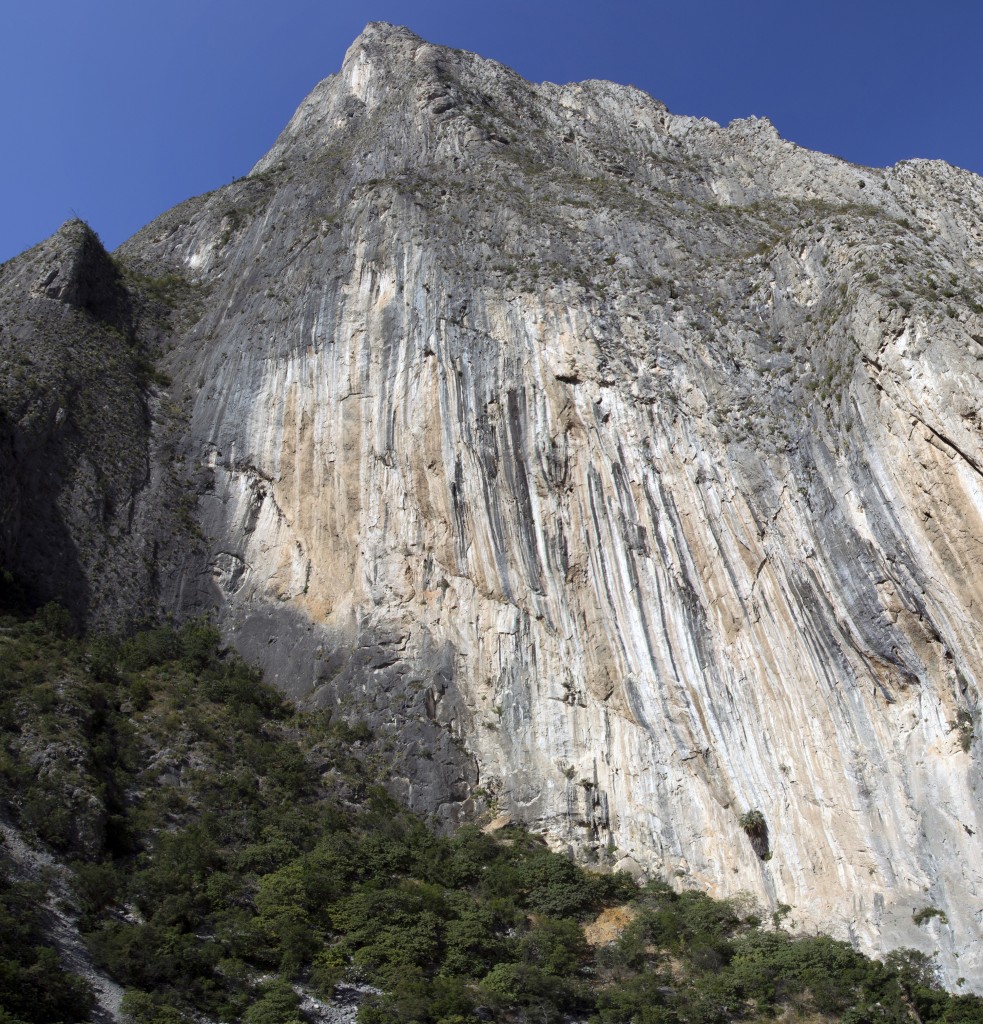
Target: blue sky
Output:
[{"x": 116, "y": 110}]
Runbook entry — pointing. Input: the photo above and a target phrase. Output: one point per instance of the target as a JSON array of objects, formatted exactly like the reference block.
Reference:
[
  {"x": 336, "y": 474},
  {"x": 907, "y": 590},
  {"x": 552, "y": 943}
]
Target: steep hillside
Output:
[
  {"x": 628, "y": 464},
  {"x": 172, "y": 826}
]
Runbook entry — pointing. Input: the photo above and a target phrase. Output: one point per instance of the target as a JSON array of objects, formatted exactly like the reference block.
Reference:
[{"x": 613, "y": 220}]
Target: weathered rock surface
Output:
[
  {"x": 89, "y": 504},
  {"x": 627, "y": 466}
]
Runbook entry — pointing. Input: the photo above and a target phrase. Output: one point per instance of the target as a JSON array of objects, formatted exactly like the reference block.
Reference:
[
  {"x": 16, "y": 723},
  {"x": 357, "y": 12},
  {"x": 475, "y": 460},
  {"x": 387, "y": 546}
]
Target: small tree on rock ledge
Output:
[{"x": 756, "y": 828}]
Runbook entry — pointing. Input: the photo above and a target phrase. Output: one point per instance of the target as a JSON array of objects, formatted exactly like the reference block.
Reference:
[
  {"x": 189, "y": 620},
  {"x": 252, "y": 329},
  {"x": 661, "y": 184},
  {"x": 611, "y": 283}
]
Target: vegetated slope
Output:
[
  {"x": 639, "y": 455},
  {"x": 230, "y": 852}
]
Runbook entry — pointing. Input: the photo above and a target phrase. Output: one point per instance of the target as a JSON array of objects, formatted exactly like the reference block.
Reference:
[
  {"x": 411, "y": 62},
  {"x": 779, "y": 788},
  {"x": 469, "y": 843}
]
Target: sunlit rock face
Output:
[{"x": 625, "y": 466}]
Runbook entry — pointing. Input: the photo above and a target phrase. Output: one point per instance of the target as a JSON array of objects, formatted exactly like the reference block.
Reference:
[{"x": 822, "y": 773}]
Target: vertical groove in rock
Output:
[{"x": 625, "y": 462}]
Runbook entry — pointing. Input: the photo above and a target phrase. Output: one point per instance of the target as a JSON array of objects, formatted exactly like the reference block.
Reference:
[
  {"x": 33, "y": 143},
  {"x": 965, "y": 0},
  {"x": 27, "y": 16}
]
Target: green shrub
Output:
[
  {"x": 278, "y": 1004},
  {"x": 927, "y": 913},
  {"x": 56, "y": 620},
  {"x": 144, "y": 1008},
  {"x": 754, "y": 825},
  {"x": 35, "y": 988}
]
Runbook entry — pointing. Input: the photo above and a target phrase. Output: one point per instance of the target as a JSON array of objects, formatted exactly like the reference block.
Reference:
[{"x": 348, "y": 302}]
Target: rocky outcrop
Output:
[
  {"x": 626, "y": 466},
  {"x": 91, "y": 508}
]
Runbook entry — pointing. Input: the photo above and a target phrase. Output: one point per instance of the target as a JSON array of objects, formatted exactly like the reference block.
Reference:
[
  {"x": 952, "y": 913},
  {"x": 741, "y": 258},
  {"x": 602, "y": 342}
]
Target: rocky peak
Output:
[
  {"x": 84, "y": 479},
  {"x": 74, "y": 268},
  {"x": 625, "y": 466},
  {"x": 384, "y": 42}
]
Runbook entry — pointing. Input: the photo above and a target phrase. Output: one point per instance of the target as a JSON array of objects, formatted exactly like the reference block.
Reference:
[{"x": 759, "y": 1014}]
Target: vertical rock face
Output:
[
  {"x": 628, "y": 466},
  {"x": 87, "y": 507}
]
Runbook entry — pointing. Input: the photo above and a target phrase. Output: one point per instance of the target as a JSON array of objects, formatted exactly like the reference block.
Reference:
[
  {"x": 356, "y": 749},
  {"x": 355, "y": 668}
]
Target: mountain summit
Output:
[{"x": 626, "y": 467}]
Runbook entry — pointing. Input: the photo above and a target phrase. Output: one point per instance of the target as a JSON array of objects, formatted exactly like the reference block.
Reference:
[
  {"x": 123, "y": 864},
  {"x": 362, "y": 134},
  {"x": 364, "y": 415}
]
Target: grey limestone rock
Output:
[
  {"x": 88, "y": 504},
  {"x": 627, "y": 467}
]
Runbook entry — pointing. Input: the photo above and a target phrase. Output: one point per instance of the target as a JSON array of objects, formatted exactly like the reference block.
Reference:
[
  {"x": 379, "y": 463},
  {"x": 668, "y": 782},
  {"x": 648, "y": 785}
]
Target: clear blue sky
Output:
[{"x": 116, "y": 110}]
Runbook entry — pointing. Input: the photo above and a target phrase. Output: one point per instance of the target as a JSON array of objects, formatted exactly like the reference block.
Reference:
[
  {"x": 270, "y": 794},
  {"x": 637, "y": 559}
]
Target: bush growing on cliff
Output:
[{"x": 756, "y": 828}]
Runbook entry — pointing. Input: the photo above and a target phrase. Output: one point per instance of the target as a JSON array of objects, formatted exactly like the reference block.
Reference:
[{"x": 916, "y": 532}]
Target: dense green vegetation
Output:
[
  {"x": 34, "y": 986},
  {"x": 225, "y": 848}
]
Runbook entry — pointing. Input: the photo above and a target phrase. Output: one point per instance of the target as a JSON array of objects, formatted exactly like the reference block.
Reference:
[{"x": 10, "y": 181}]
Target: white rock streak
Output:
[{"x": 668, "y": 432}]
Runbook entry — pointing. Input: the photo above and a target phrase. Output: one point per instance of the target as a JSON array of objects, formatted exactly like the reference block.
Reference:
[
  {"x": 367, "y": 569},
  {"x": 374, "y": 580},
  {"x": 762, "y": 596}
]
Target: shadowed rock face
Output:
[
  {"x": 87, "y": 498},
  {"x": 627, "y": 467}
]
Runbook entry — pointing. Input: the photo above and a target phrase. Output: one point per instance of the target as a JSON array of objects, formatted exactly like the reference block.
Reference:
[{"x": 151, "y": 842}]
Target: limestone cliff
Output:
[
  {"x": 91, "y": 511},
  {"x": 629, "y": 467}
]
